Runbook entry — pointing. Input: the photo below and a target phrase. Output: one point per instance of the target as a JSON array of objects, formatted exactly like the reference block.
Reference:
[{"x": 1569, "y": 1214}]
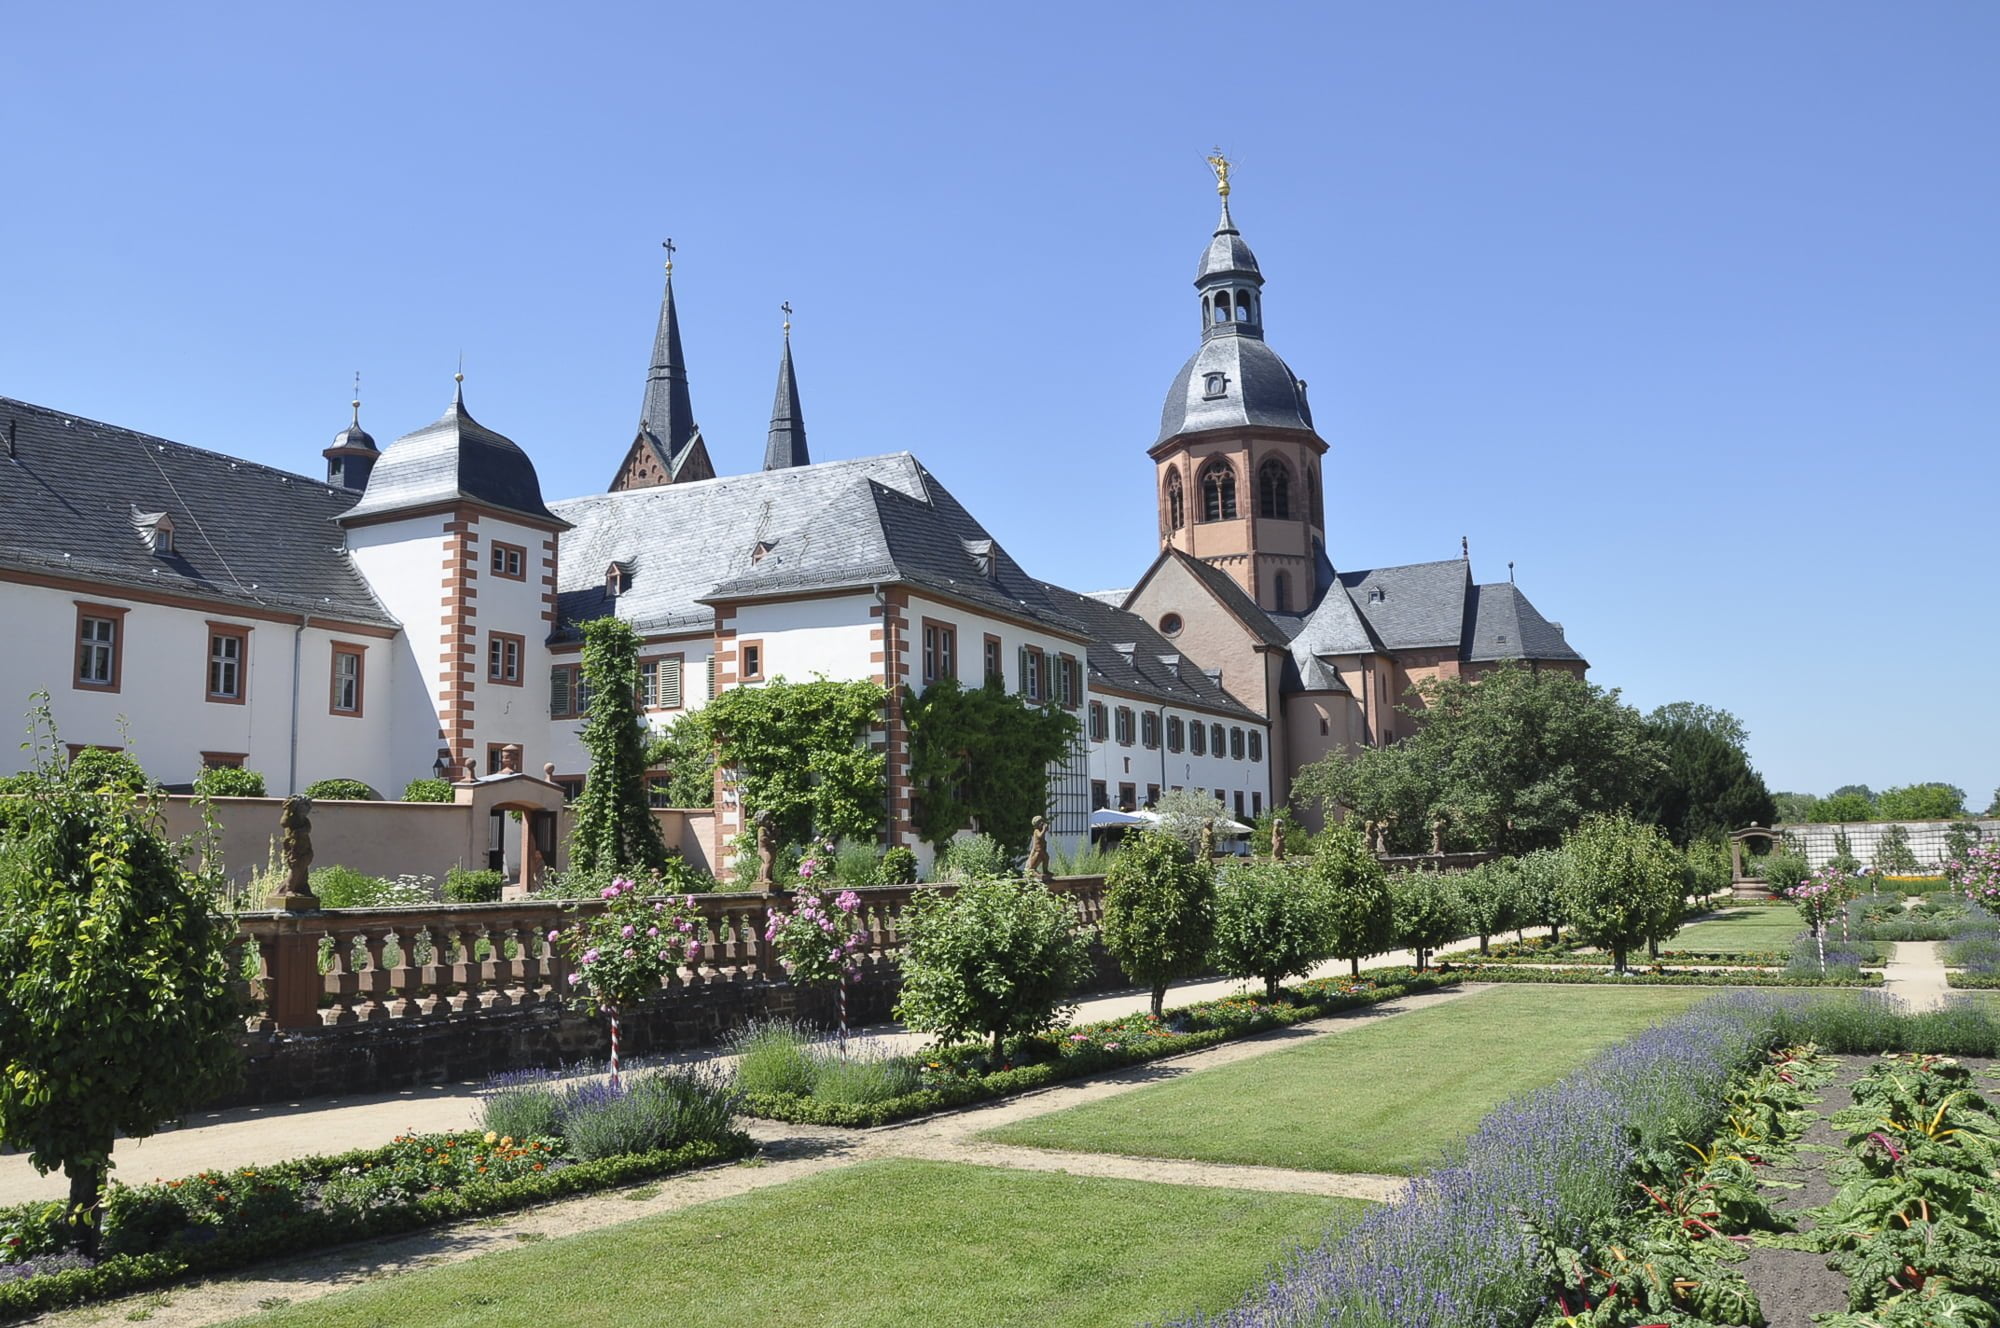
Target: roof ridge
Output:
[{"x": 142, "y": 437}]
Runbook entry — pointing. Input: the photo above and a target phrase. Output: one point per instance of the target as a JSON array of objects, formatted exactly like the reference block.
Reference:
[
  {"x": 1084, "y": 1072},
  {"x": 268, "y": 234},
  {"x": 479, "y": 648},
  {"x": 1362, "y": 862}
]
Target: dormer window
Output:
[
  {"x": 617, "y": 579},
  {"x": 761, "y": 550},
  {"x": 981, "y": 553},
  {"x": 156, "y": 529},
  {"x": 1214, "y": 386}
]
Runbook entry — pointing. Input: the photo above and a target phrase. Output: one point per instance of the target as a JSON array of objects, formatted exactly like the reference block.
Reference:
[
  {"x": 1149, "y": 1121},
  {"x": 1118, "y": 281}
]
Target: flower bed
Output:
[
  {"x": 953, "y": 1077},
  {"x": 1537, "y": 1209},
  {"x": 1659, "y": 976},
  {"x": 223, "y": 1219}
]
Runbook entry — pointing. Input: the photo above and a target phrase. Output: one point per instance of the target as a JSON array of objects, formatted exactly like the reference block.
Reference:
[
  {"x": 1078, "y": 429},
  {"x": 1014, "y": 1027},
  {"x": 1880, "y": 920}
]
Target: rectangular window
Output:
[
  {"x": 1256, "y": 744},
  {"x": 1069, "y": 682},
  {"x": 1198, "y": 738},
  {"x": 228, "y": 657},
  {"x": 1176, "y": 733},
  {"x": 1152, "y": 795},
  {"x": 1256, "y": 803},
  {"x": 940, "y": 651},
  {"x": 100, "y": 646},
  {"x": 750, "y": 661},
  {"x": 660, "y": 683},
  {"x": 571, "y": 786},
  {"x": 223, "y": 760},
  {"x": 1239, "y": 804},
  {"x": 1149, "y": 731},
  {"x": 658, "y": 791},
  {"x": 496, "y": 759},
  {"x": 349, "y": 663},
  {"x": 1236, "y": 744},
  {"x": 503, "y": 658},
  {"x": 1100, "y": 724},
  {"x": 1128, "y": 798},
  {"x": 1218, "y": 744},
  {"x": 1123, "y": 716},
  {"x": 509, "y": 561},
  {"x": 994, "y": 673},
  {"x": 562, "y": 691},
  {"x": 1034, "y": 673},
  {"x": 1100, "y": 796}
]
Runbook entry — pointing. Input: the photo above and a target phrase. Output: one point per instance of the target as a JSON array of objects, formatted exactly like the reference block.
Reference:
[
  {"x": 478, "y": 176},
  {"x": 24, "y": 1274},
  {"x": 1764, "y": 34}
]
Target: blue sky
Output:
[{"x": 1689, "y": 310}]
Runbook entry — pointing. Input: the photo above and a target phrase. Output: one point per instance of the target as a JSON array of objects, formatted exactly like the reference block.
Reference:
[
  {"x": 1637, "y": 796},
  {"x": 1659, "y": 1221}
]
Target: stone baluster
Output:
[
  {"x": 464, "y": 968},
  {"x": 402, "y": 1000},
  {"x": 510, "y": 947},
  {"x": 342, "y": 983},
  {"x": 432, "y": 976},
  {"x": 493, "y": 974},
  {"x": 262, "y": 1015},
  {"x": 373, "y": 983}
]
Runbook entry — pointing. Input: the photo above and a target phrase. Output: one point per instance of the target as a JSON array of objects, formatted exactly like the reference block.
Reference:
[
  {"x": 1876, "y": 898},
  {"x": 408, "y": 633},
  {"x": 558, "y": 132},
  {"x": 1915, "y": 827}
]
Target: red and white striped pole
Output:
[
  {"x": 612, "y": 1010},
  {"x": 843, "y": 1014}
]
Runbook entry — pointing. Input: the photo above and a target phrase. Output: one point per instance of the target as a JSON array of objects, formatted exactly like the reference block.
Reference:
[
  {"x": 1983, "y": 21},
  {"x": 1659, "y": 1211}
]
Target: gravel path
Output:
[
  {"x": 789, "y": 1152},
  {"x": 1915, "y": 972}
]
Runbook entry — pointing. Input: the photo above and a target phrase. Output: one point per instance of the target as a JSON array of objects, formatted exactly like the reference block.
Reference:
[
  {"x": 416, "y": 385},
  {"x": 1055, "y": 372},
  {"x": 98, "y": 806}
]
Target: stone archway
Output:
[
  {"x": 539, "y": 802},
  {"x": 1744, "y": 885}
]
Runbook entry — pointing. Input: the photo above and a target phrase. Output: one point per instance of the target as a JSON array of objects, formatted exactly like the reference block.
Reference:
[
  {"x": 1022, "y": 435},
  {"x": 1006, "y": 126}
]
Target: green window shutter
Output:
[
  {"x": 711, "y": 677},
  {"x": 1024, "y": 670},
  {"x": 668, "y": 689},
  {"x": 559, "y": 690}
]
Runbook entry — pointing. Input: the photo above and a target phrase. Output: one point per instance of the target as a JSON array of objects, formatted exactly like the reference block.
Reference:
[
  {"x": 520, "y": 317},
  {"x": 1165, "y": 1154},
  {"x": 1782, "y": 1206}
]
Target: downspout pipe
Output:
[{"x": 298, "y": 651}]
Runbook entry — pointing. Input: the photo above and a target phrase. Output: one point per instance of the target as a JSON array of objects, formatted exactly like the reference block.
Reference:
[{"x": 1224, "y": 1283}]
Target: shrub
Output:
[
  {"x": 99, "y": 768},
  {"x": 865, "y": 1076},
  {"x": 649, "y": 1111},
  {"x": 1297, "y": 841},
  {"x": 972, "y": 858},
  {"x": 462, "y": 885},
  {"x": 1706, "y": 868},
  {"x": 229, "y": 782},
  {"x": 774, "y": 1058},
  {"x": 340, "y": 790},
  {"x": 1785, "y": 871},
  {"x": 676, "y": 878},
  {"x": 1159, "y": 912},
  {"x": 1427, "y": 912},
  {"x": 995, "y": 957},
  {"x": 1085, "y": 859},
  {"x": 521, "y": 1104},
  {"x": 1349, "y": 881},
  {"x": 1270, "y": 923},
  {"x": 427, "y": 790},
  {"x": 897, "y": 867},
  {"x": 1623, "y": 885},
  {"x": 344, "y": 887},
  {"x": 857, "y": 862}
]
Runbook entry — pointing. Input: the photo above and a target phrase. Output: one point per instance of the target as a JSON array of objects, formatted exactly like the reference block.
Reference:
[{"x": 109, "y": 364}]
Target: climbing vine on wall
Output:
[
  {"x": 799, "y": 750},
  {"x": 614, "y": 829},
  {"x": 979, "y": 753}
]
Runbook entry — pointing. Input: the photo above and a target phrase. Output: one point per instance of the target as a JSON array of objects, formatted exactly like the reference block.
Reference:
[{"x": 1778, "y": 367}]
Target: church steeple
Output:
[
  {"x": 1230, "y": 283},
  {"x": 668, "y": 411},
  {"x": 669, "y": 446},
  {"x": 786, "y": 444}
]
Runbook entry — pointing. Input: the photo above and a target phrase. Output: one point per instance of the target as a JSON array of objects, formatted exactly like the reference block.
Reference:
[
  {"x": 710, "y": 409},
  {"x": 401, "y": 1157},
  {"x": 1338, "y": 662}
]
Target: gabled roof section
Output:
[
  {"x": 456, "y": 459},
  {"x": 1507, "y": 626},
  {"x": 1146, "y": 671},
  {"x": 244, "y": 534},
  {"x": 1419, "y": 606},
  {"x": 1224, "y": 588}
]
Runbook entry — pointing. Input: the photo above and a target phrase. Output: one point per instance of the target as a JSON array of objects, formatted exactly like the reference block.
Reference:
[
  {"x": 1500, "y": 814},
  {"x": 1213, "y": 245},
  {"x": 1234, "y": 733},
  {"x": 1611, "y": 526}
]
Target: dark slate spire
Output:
[
  {"x": 668, "y": 413},
  {"x": 353, "y": 453},
  {"x": 786, "y": 445}
]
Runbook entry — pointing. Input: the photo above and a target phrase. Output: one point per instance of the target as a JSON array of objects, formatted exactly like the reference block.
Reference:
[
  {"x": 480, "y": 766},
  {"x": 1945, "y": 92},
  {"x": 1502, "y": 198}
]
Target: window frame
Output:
[
  {"x": 239, "y": 633},
  {"x": 1124, "y": 726},
  {"x": 1218, "y": 744},
  {"x": 1069, "y": 682},
  {"x": 1236, "y": 742},
  {"x": 1100, "y": 722},
  {"x": 649, "y": 681},
  {"x": 505, "y": 553},
  {"x": 359, "y": 653},
  {"x": 113, "y": 614},
  {"x": 994, "y": 656},
  {"x": 1100, "y": 795},
  {"x": 939, "y": 649},
  {"x": 576, "y": 692},
  {"x": 1256, "y": 741},
  {"x": 224, "y": 760},
  {"x": 1034, "y": 674},
  {"x": 1176, "y": 733},
  {"x": 497, "y": 644},
  {"x": 1128, "y": 797},
  {"x": 1198, "y": 738},
  {"x": 1149, "y": 730},
  {"x": 744, "y": 649}
]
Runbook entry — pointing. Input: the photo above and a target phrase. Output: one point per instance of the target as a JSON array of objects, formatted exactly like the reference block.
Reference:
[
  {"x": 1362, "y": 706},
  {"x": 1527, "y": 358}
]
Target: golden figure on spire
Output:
[{"x": 1220, "y": 165}]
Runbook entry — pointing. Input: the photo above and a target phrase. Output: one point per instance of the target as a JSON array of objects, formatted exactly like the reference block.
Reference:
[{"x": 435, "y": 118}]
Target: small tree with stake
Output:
[
  {"x": 1622, "y": 884},
  {"x": 115, "y": 1009},
  {"x": 1159, "y": 912},
  {"x": 1350, "y": 885}
]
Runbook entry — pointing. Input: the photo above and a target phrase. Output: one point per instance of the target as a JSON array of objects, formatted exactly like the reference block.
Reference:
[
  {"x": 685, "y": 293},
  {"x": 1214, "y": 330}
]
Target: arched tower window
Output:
[
  {"x": 1218, "y": 491},
  {"x": 1222, "y": 307},
  {"x": 1274, "y": 490},
  {"x": 1281, "y": 593},
  {"x": 1243, "y": 307},
  {"x": 1176, "y": 501},
  {"x": 1313, "y": 511}
]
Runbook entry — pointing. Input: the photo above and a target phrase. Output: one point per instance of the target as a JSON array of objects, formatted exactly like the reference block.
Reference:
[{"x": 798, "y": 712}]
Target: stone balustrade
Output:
[{"x": 339, "y": 968}]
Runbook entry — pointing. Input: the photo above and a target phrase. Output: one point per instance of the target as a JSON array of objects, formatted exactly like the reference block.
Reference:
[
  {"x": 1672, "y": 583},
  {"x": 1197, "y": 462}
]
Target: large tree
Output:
[
  {"x": 1708, "y": 787},
  {"x": 1506, "y": 762},
  {"x": 1921, "y": 802},
  {"x": 1842, "y": 806}
]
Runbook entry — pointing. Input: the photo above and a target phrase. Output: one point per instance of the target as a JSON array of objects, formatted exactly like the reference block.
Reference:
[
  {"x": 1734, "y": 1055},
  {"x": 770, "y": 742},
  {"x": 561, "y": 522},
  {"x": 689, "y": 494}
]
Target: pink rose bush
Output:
[{"x": 624, "y": 953}]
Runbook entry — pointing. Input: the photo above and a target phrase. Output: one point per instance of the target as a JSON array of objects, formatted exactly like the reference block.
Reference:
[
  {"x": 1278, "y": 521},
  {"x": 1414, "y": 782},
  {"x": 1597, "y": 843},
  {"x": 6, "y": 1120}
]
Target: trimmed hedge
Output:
[
  {"x": 310, "y": 1230},
  {"x": 1311, "y": 1000},
  {"x": 1974, "y": 981},
  {"x": 1635, "y": 977}
]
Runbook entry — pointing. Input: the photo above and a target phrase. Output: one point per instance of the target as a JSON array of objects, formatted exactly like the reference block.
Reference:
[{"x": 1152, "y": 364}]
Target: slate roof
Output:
[
  {"x": 785, "y": 444},
  {"x": 1507, "y": 626},
  {"x": 1258, "y": 388},
  {"x": 852, "y": 523},
  {"x": 666, "y": 415},
  {"x": 1420, "y": 606},
  {"x": 1145, "y": 673},
  {"x": 244, "y": 534},
  {"x": 1227, "y": 254},
  {"x": 454, "y": 458}
]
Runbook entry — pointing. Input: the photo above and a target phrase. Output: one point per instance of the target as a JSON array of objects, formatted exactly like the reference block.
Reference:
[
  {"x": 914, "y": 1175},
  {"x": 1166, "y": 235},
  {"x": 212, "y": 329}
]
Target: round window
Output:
[{"x": 1170, "y": 624}]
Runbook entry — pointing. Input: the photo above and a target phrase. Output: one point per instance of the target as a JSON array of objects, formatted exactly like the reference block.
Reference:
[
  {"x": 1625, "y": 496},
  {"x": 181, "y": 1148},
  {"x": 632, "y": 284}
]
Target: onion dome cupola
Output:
[
  {"x": 353, "y": 453},
  {"x": 1234, "y": 379},
  {"x": 454, "y": 460},
  {"x": 786, "y": 444}
]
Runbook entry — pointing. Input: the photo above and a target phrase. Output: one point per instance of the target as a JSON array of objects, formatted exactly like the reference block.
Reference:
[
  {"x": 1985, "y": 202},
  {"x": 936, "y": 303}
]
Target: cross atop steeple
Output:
[{"x": 668, "y": 245}]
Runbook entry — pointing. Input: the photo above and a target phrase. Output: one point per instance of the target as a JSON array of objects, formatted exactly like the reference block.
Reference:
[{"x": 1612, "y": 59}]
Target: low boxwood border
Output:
[
  {"x": 1311, "y": 1000},
  {"x": 1635, "y": 976},
  {"x": 317, "y": 1231},
  {"x": 1973, "y": 981}
]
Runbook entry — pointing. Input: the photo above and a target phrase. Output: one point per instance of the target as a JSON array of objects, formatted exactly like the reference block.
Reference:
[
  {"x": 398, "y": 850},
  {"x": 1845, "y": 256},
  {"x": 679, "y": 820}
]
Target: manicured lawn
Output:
[
  {"x": 1743, "y": 929},
  {"x": 1386, "y": 1099},
  {"x": 871, "y": 1246}
]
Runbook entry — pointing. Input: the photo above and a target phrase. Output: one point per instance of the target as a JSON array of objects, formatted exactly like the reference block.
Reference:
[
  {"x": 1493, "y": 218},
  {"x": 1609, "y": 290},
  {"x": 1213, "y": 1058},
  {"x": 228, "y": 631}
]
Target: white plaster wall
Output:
[
  {"x": 811, "y": 636},
  {"x": 501, "y": 713},
  {"x": 161, "y": 711},
  {"x": 403, "y": 562},
  {"x": 1139, "y": 765}
]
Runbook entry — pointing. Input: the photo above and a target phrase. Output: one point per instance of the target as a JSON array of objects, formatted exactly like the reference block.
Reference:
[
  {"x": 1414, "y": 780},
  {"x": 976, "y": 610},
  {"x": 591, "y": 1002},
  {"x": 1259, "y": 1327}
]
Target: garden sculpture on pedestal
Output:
[
  {"x": 1277, "y": 836},
  {"x": 1206, "y": 853},
  {"x": 295, "y": 825},
  {"x": 1038, "y": 852},
  {"x": 766, "y": 855}
]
